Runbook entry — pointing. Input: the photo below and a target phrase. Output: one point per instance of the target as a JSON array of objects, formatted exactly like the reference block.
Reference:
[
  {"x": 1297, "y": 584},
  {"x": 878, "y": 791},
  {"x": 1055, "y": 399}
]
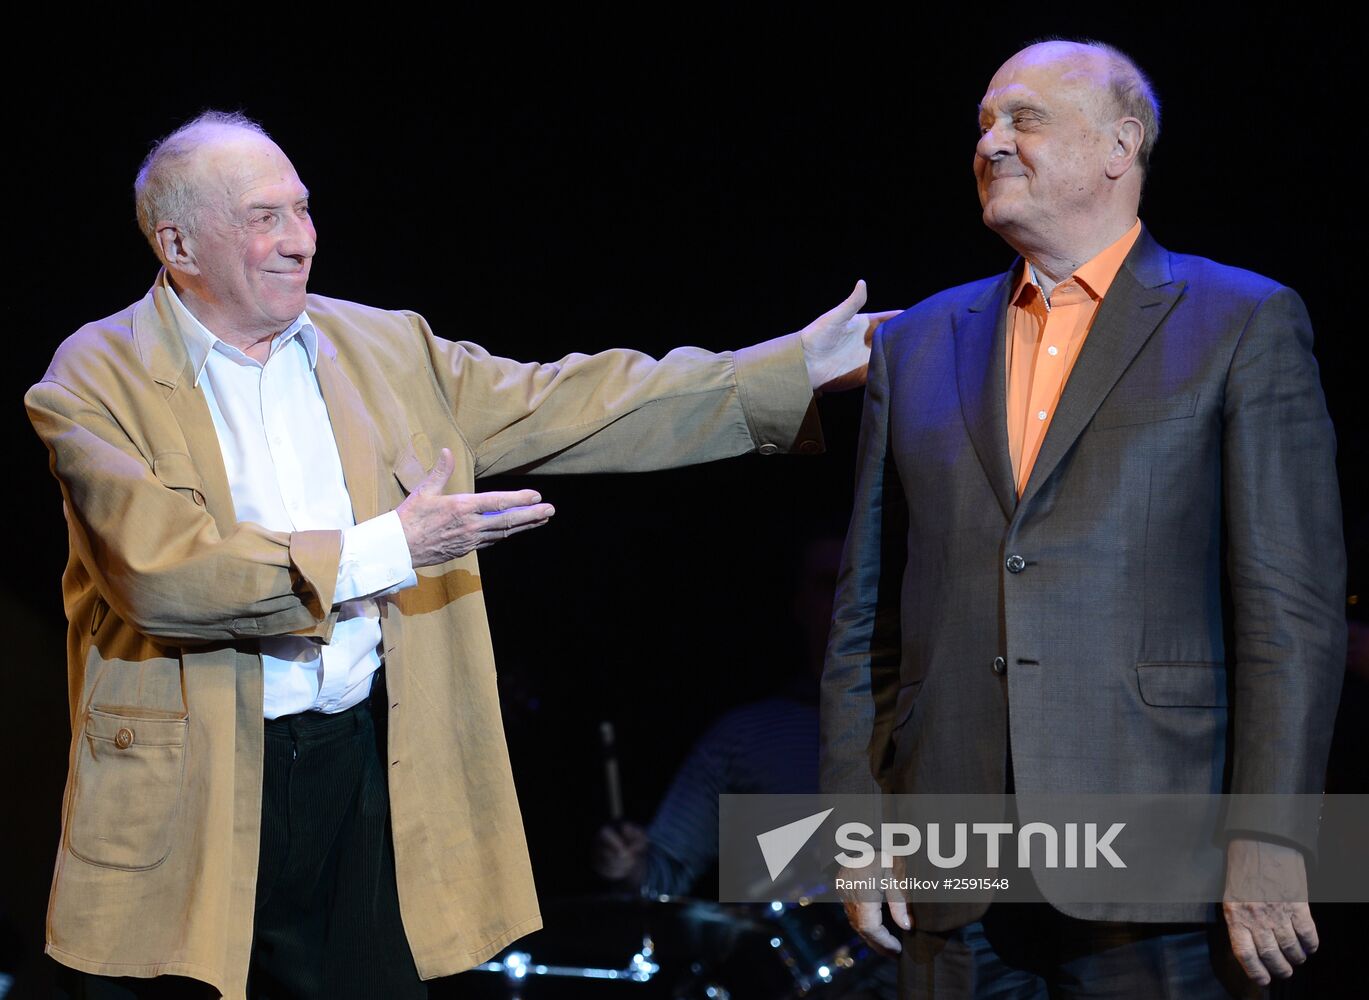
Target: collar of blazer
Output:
[
  {"x": 1141, "y": 296},
  {"x": 160, "y": 344}
]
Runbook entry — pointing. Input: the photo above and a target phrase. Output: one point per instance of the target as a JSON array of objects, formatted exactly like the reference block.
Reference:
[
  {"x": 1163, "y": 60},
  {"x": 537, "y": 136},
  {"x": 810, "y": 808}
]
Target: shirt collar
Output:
[
  {"x": 200, "y": 340},
  {"x": 1095, "y": 275}
]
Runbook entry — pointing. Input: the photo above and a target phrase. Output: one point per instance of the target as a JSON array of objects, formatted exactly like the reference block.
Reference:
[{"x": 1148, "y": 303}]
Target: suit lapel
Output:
[
  {"x": 1140, "y": 298},
  {"x": 351, "y": 430},
  {"x": 161, "y": 345},
  {"x": 981, "y": 375}
]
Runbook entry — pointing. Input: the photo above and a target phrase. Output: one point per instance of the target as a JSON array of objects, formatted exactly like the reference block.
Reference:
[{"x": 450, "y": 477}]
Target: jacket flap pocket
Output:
[
  {"x": 1145, "y": 411},
  {"x": 1195, "y": 685},
  {"x": 904, "y": 703},
  {"x": 126, "y": 788},
  {"x": 153, "y": 729},
  {"x": 176, "y": 470},
  {"x": 409, "y": 467}
]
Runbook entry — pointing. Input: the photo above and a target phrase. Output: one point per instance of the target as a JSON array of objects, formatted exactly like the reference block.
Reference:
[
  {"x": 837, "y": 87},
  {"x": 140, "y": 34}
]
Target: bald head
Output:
[{"x": 185, "y": 171}]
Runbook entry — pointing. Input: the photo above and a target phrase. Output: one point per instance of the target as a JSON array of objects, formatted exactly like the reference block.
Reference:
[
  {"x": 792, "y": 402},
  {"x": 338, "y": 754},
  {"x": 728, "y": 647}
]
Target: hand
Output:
[
  {"x": 439, "y": 528},
  {"x": 1265, "y": 905},
  {"x": 620, "y": 853},
  {"x": 836, "y": 345},
  {"x": 865, "y": 910}
]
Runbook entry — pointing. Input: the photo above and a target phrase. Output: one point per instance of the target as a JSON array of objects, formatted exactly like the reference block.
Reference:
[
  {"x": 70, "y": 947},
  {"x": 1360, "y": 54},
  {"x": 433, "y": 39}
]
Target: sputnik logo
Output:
[{"x": 779, "y": 845}]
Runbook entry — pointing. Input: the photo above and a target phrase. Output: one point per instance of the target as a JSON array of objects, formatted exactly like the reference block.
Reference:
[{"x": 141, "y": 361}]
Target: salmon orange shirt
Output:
[{"x": 1044, "y": 340}]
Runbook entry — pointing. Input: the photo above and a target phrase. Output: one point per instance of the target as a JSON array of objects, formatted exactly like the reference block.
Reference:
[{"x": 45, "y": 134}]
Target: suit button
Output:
[
  {"x": 809, "y": 447},
  {"x": 123, "y": 739},
  {"x": 768, "y": 449},
  {"x": 1000, "y": 665},
  {"x": 1016, "y": 564}
]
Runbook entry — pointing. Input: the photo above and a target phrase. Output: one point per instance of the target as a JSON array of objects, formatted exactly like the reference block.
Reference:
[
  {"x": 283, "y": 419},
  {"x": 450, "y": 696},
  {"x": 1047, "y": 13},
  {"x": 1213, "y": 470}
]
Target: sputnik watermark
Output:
[
  {"x": 902, "y": 840},
  {"x": 1162, "y": 849}
]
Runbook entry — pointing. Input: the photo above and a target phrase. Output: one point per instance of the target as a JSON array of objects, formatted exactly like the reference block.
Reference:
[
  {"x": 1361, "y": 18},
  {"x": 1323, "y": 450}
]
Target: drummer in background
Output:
[{"x": 767, "y": 747}]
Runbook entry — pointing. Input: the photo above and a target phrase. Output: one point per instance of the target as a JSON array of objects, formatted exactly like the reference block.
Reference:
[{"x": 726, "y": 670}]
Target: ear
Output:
[
  {"x": 1130, "y": 133},
  {"x": 176, "y": 249}
]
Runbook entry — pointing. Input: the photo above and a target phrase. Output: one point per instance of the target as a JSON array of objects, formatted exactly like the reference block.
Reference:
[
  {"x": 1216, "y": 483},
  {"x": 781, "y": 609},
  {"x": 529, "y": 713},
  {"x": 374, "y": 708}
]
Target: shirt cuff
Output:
[{"x": 375, "y": 560}]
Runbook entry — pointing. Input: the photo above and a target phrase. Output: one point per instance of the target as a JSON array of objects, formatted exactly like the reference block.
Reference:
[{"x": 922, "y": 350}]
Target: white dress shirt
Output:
[{"x": 285, "y": 474}]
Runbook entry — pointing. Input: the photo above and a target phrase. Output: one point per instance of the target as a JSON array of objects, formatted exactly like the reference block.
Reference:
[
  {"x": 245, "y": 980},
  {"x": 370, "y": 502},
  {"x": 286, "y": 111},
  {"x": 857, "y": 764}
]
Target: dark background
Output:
[{"x": 547, "y": 183}]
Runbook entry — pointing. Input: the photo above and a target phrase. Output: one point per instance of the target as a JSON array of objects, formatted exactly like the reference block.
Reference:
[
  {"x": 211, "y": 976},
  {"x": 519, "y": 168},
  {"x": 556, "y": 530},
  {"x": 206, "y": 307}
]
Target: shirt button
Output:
[
  {"x": 1000, "y": 665},
  {"x": 1040, "y": 414},
  {"x": 123, "y": 739},
  {"x": 1015, "y": 563},
  {"x": 1052, "y": 350}
]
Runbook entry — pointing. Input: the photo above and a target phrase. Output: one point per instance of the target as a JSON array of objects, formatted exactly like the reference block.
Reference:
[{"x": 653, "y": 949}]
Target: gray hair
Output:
[
  {"x": 164, "y": 189},
  {"x": 1131, "y": 91},
  {"x": 1135, "y": 98}
]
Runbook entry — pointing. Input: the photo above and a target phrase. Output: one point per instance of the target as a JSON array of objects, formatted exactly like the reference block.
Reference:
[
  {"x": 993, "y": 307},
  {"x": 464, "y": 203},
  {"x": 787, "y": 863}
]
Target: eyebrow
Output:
[
  {"x": 1012, "y": 104},
  {"x": 252, "y": 207}
]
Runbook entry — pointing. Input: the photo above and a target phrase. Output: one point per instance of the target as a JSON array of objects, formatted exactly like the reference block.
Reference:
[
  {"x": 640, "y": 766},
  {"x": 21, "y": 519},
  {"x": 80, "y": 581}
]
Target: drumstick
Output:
[{"x": 611, "y": 781}]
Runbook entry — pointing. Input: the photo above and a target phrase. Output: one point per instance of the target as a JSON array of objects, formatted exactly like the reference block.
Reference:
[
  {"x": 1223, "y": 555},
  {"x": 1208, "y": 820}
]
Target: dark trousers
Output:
[
  {"x": 1031, "y": 951},
  {"x": 327, "y": 918}
]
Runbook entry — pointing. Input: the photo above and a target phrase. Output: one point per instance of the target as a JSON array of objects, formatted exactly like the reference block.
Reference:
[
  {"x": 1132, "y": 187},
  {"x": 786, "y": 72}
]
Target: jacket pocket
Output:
[
  {"x": 126, "y": 789},
  {"x": 409, "y": 467},
  {"x": 1193, "y": 685},
  {"x": 904, "y": 703},
  {"x": 1146, "y": 411},
  {"x": 176, "y": 471}
]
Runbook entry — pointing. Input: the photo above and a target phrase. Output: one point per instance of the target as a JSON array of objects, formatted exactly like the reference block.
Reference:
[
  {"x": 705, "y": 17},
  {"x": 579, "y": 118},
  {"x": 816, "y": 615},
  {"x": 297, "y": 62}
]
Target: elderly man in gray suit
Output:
[{"x": 1096, "y": 548}]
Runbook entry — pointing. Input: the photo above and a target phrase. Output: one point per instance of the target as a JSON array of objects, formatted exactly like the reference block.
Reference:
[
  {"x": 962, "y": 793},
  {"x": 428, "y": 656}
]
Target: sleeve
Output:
[
  {"x": 375, "y": 560},
  {"x": 622, "y": 411},
  {"x": 861, "y": 672},
  {"x": 155, "y": 552},
  {"x": 684, "y": 832},
  {"x": 1285, "y": 565}
]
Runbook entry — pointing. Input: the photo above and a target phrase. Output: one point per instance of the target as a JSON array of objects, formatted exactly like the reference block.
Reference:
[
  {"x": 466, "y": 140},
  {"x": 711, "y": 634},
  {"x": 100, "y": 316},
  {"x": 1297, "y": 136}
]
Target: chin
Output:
[{"x": 996, "y": 218}]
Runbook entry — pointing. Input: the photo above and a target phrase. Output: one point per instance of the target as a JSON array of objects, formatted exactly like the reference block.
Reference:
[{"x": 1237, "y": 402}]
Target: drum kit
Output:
[
  {"x": 656, "y": 947},
  {"x": 669, "y": 947}
]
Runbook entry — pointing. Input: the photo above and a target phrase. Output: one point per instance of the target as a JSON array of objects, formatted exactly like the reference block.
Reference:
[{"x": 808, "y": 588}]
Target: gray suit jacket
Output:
[{"x": 1167, "y": 596}]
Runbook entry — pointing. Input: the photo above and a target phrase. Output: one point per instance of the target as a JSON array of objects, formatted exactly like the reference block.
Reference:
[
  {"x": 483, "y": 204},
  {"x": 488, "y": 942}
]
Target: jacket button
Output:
[
  {"x": 123, "y": 739},
  {"x": 768, "y": 449},
  {"x": 1000, "y": 665},
  {"x": 809, "y": 447},
  {"x": 1016, "y": 564}
]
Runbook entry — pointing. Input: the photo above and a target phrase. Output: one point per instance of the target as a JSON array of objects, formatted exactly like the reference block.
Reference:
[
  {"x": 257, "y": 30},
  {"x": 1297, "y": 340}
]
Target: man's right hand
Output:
[
  {"x": 439, "y": 528},
  {"x": 620, "y": 853},
  {"x": 865, "y": 909}
]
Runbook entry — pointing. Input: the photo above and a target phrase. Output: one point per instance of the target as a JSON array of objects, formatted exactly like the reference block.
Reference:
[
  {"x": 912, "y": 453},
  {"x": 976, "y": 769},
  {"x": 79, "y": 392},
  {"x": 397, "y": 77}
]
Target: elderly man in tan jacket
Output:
[{"x": 270, "y": 497}]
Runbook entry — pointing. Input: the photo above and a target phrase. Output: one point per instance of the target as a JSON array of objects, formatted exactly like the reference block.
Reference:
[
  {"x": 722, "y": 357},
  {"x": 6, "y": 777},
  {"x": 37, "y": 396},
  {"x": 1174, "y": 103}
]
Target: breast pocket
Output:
[
  {"x": 413, "y": 461},
  {"x": 176, "y": 471},
  {"x": 126, "y": 789},
  {"x": 1127, "y": 413}
]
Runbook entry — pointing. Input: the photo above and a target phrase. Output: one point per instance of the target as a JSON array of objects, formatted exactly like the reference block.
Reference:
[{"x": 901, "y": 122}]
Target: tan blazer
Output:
[{"x": 165, "y": 592}]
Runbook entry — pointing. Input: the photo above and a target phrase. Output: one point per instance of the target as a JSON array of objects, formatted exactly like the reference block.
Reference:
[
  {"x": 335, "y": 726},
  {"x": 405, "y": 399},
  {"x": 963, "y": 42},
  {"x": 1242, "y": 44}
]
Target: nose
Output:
[
  {"x": 299, "y": 239},
  {"x": 995, "y": 143}
]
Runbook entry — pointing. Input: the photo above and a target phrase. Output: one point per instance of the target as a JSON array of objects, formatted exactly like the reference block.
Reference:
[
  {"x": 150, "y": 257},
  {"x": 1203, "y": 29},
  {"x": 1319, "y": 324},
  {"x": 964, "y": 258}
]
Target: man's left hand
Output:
[
  {"x": 1266, "y": 910},
  {"x": 836, "y": 345}
]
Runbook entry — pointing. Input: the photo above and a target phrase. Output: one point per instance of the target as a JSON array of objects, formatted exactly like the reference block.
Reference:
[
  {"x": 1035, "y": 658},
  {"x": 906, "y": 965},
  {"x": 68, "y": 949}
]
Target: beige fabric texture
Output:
[{"x": 165, "y": 592}]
